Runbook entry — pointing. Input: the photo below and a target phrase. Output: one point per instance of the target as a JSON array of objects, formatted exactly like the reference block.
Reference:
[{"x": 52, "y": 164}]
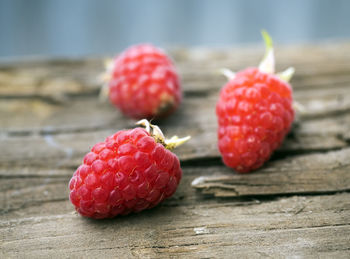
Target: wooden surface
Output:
[{"x": 297, "y": 205}]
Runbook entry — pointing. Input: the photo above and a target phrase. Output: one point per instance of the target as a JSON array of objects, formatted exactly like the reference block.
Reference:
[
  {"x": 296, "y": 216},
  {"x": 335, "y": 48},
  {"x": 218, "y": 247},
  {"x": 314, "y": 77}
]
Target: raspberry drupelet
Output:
[
  {"x": 143, "y": 83},
  {"x": 130, "y": 171},
  {"x": 254, "y": 114}
]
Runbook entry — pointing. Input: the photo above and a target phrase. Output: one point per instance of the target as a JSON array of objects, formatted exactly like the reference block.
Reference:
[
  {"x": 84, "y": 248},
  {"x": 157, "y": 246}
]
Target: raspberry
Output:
[
  {"x": 254, "y": 114},
  {"x": 143, "y": 83},
  {"x": 130, "y": 171}
]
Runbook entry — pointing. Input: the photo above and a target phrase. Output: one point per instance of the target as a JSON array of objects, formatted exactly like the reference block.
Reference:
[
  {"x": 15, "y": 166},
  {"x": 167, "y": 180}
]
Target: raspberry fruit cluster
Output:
[
  {"x": 130, "y": 171},
  {"x": 143, "y": 83},
  {"x": 254, "y": 113}
]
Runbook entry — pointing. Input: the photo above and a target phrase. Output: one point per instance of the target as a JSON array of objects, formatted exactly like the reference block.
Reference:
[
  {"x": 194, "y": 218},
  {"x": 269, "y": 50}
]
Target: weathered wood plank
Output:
[
  {"x": 307, "y": 174},
  {"x": 84, "y": 113},
  {"x": 299, "y": 226},
  {"x": 317, "y": 66},
  {"x": 316, "y": 173},
  {"x": 63, "y": 136},
  {"x": 33, "y": 114},
  {"x": 67, "y": 150}
]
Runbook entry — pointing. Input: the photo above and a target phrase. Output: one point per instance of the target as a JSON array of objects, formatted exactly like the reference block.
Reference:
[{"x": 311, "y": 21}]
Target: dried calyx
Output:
[
  {"x": 158, "y": 135},
  {"x": 104, "y": 79},
  {"x": 267, "y": 65}
]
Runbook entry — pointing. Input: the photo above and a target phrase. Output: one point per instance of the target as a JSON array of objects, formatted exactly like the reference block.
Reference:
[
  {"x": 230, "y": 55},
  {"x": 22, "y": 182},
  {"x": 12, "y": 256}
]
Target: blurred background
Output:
[{"x": 93, "y": 27}]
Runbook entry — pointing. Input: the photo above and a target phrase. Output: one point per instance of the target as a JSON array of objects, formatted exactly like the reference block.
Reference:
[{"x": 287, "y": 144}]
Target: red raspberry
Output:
[
  {"x": 129, "y": 172},
  {"x": 254, "y": 115},
  {"x": 143, "y": 83}
]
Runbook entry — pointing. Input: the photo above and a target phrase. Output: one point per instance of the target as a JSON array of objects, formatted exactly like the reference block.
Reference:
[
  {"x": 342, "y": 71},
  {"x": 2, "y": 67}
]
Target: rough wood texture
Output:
[
  {"x": 307, "y": 174},
  {"x": 297, "y": 205}
]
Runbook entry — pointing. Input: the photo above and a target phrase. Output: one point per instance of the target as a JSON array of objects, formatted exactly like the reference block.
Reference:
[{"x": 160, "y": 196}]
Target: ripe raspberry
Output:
[
  {"x": 130, "y": 171},
  {"x": 143, "y": 83},
  {"x": 254, "y": 114}
]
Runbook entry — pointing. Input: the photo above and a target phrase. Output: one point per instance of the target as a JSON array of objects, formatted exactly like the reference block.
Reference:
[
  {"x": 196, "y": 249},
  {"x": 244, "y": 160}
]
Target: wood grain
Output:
[
  {"x": 301, "y": 226},
  {"x": 297, "y": 205},
  {"x": 308, "y": 174}
]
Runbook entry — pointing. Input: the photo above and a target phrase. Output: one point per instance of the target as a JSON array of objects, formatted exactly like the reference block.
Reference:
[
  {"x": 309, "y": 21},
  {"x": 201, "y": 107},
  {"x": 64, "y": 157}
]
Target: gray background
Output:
[{"x": 89, "y": 27}]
